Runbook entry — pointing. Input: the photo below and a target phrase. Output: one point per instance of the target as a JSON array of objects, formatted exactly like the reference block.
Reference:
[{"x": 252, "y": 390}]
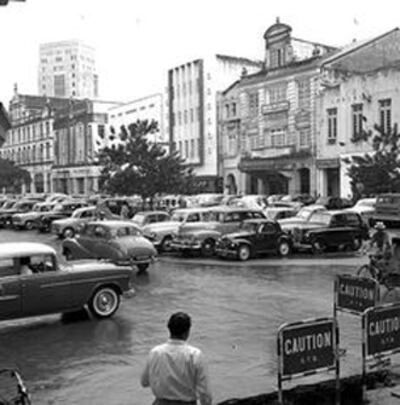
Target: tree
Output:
[
  {"x": 378, "y": 171},
  {"x": 12, "y": 176},
  {"x": 134, "y": 165}
]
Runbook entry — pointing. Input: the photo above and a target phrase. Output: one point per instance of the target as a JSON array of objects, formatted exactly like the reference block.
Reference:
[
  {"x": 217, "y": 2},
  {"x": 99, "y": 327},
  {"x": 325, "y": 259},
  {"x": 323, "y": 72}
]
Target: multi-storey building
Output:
[
  {"x": 80, "y": 131},
  {"x": 29, "y": 141},
  {"x": 146, "y": 108},
  {"x": 192, "y": 111},
  {"x": 5, "y": 124},
  {"x": 360, "y": 88},
  {"x": 67, "y": 69},
  {"x": 269, "y": 125}
]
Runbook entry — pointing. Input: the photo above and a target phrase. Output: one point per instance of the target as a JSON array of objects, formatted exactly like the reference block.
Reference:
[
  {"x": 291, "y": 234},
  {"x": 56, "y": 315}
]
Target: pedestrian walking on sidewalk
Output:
[{"x": 176, "y": 371}]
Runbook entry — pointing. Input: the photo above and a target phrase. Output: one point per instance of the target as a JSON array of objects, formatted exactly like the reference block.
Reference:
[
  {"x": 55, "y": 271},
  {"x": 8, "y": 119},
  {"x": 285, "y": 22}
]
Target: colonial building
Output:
[
  {"x": 29, "y": 141},
  {"x": 192, "y": 111},
  {"x": 270, "y": 125},
  {"x": 146, "y": 108},
  {"x": 80, "y": 130},
  {"x": 360, "y": 88},
  {"x": 5, "y": 124},
  {"x": 67, "y": 69}
]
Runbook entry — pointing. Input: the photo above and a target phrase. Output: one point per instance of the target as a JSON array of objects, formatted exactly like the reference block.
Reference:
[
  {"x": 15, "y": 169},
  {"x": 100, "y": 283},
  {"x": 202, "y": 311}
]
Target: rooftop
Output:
[{"x": 21, "y": 249}]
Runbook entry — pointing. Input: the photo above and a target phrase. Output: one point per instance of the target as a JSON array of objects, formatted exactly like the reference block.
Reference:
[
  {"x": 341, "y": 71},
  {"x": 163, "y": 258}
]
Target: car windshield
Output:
[
  {"x": 125, "y": 231},
  {"x": 179, "y": 216},
  {"x": 320, "y": 217},
  {"x": 249, "y": 227},
  {"x": 58, "y": 208},
  {"x": 139, "y": 219},
  {"x": 77, "y": 214},
  {"x": 366, "y": 203},
  {"x": 304, "y": 213},
  {"x": 8, "y": 204}
]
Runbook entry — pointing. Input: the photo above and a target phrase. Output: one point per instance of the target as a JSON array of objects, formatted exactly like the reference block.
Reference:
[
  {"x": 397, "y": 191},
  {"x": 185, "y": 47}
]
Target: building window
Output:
[
  {"x": 277, "y": 93},
  {"x": 185, "y": 117},
  {"x": 278, "y": 138},
  {"x": 233, "y": 109},
  {"x": 357, "y": 119},
  {"x": 305, "y": 138},
  {"x": 191, "y": 115},
  {"x": 179, "y": 118},
  {"x": 186, "y": 149},
  {"x": 253, "y": 104},
  {"x": 191, "y": 148},
  {"x": 385, "y": 114},
  {"x": 227, "y": 110},
  {"x": 277, "y": 58},
  {"x": 304, "y": 93},
  {"x": 332, "y": 125}
]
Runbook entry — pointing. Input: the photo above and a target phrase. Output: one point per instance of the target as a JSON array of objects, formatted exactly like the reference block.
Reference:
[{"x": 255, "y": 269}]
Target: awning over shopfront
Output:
[{"x": 333, "y": 163}]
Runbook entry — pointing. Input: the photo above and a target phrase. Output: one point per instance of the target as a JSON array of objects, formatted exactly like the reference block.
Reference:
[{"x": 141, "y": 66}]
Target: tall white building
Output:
[
  {"x": 192, "y": 111},
  {"x": 67, "y": 69},
  {"x": 145, "y": 108}
]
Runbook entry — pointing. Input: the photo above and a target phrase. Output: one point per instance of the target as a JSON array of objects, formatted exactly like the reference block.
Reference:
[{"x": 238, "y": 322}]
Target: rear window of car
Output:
[
  {"x": 389, "y": 199},
  {"x": 7, "y": 268},
  {"x": 320, "y": 217},
  {"x": 125, "y": 231},
  {"x": 352, "y": 220}
]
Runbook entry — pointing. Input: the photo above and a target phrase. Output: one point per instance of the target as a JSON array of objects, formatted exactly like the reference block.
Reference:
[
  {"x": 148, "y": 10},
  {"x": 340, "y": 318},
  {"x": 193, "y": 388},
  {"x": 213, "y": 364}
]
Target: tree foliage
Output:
[
  {"x": 131, "y": 164},
  {"x": 12, "y": 176},
  {"x": 379, "y": 170}
]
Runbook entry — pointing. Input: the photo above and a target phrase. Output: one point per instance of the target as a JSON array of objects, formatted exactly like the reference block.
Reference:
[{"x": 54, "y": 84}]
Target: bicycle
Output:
[{"x": 12, "y": 388}]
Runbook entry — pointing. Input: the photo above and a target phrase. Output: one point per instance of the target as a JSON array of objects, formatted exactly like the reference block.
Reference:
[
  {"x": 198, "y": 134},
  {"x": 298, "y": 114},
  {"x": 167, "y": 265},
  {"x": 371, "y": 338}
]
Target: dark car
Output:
[
  {"x": 120, "y": 242},
  {"x": 17, "y": 208},
  {"x": 255, "y": 237},
  {"x": 334, "y": 203},
  {"x": 331, "y": 230},
  {"x": 34, "y": 283},
  {"x": 64, "y": 210}
]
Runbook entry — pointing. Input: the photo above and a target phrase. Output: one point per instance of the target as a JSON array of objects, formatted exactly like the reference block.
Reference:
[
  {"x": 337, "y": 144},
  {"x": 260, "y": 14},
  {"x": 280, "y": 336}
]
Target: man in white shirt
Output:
[{"x": 175, "y": 371}]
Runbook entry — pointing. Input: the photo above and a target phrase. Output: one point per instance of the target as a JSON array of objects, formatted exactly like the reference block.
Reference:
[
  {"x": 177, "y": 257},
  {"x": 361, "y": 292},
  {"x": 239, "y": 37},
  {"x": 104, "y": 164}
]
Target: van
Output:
[{"x": 387, "y": 209}]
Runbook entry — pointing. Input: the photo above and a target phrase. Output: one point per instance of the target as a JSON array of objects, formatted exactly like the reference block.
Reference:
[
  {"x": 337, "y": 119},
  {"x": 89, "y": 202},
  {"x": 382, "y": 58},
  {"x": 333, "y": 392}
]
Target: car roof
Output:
[
  {"x": 113, "y": 223},
  {"x": 193, "y": 209},
  {"x": 151, "y": 212},
  {"x": 259, "y": 221},
  {"x": 22, "y": 249},
  {"x": 233, "y": 209}
]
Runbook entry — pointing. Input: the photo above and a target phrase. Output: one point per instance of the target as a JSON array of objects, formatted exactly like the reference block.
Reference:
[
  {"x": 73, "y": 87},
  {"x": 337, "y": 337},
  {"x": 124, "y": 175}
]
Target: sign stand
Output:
[{"x": 306, "y": 348}]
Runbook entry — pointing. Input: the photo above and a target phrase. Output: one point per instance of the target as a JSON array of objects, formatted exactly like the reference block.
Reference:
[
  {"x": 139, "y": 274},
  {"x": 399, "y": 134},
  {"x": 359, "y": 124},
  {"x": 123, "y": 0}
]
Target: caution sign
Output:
[
  {"x": 355, "y": 294},
  {"x": 381, "y": 327},
  {"x": 307, "y": 346}
]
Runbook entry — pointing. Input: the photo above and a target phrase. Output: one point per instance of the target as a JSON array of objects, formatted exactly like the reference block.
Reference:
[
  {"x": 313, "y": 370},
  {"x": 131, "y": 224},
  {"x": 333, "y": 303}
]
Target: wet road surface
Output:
[{"x": 236, "y": 311}]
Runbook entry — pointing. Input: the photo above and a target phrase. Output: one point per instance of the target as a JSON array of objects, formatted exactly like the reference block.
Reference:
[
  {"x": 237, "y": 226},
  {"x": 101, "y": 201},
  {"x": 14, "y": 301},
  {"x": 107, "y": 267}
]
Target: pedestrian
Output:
[
  {"x": 175, "y": 371},
  {"x": 125, "y": 211}
]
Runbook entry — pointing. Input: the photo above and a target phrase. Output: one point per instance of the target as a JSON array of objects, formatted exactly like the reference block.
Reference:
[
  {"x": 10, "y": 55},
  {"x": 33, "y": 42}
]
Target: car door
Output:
[
  {"x": 85, "y": 243},
  {"x": 10, "y": 289},
  {"x": 266, "y": 237},
  {"x": 337, "y": 233},
  {"x": 48, "y": 290},
  {"x": 101, "y": 241}
]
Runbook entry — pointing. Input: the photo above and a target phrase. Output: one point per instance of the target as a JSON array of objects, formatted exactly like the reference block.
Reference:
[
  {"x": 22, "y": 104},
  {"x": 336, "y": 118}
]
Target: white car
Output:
[{"x": 365, "y": 207}]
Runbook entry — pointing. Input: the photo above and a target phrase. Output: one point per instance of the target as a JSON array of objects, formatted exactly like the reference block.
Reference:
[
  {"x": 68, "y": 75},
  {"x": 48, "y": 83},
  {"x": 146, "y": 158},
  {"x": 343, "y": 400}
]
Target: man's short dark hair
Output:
[{"x": 179, "y": 324}]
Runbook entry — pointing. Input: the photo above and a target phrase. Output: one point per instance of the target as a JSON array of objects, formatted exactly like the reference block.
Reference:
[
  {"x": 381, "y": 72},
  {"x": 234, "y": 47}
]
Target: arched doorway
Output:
[
  {"x": 304, "y": 179},
  {"x": 231, "y": 185}
]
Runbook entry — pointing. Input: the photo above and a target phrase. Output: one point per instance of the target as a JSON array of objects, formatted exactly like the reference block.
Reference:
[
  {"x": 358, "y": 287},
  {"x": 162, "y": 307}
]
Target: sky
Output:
[{"x": 137, "y": 41}]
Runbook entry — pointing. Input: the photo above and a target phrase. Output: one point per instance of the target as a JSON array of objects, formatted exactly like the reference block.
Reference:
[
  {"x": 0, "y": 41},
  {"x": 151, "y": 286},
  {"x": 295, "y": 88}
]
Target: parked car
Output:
[
  {"x": 301, "y": 217},
  {"x": 254, "y": 201},
  {"x": 143, "y": 218},
  {"x": 160, "y": 234},
  {"x": 255, "y": 237},
  {"x": 19, "y": 207},
  {"x": 387, "y": 209},
  {"x": 276, "y": 213},
  {"x": 201, "y": 237},
  {"x": 27, "y": 220},
  {"x": 50, "y": 287},
  {"x": 63, "y": 210},
  {"x": 365, "y": 207},
  {"x": 120, "y": 242},
  {"x": 331, "y": 230},
  {"x": 68, "y": 227},
  {"x": 334, "y": 203},
  {"x": 114, "y": 204}
]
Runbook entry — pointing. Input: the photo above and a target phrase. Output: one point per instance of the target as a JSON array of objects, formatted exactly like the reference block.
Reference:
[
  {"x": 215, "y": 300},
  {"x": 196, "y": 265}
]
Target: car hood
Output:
[
  {"x": 239, "y": 235},
  {"x": 9, "y": 211},
  {"x": 309, "y": 225},
  {"x": 198, "y": 226},
  {"x": 289, "y": 223},
  {"x": 29, "y": 214},
  {"x": 137, "y": 245},
  {"x": 65, "y": 221},
  {"x": 161, "y": 226},
  {"x": 91, "y": 265}
]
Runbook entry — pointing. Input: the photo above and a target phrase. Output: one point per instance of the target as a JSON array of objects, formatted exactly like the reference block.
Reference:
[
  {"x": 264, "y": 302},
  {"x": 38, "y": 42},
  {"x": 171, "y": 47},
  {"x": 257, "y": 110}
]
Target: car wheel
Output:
[
  {"x": 284, "y": 248},
  {"x": 166, "y": 244},
  {"x": 142, "y": 267},
  {"x": 68, "y": 255},
  {"x": 68, "y": 233},
  {"x": 356, "y": 243},
  {"x": 29, "y": 225},
  {"x": 244, "y": 253},
  {"x": 104, "y": 303},
  {"x": 318, "y": 246},
  {"x": 208, "y": 247}
]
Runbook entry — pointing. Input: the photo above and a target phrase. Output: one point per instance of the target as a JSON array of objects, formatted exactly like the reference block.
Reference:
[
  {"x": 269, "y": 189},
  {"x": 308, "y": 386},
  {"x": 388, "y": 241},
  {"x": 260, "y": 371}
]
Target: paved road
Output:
[{"x": 236, "y": 309}]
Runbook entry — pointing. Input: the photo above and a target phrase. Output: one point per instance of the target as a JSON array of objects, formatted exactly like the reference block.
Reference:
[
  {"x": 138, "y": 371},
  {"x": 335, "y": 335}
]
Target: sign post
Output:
[
  {"x": 381, "y": 334},
  {"x": 306, "y": 348}
]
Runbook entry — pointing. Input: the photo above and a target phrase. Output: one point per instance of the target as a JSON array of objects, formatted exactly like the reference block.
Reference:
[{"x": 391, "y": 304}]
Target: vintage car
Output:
[
  {"x": 160, "y": 234},
  {"x": 120, "y": 242},
  {"x": 67, "y": 227},
  {"x": 27, "y": 220},
  {"x": 276, "y": 213},
  {"x": 331, "y": 230},
  {"x": 334, "y": 203},
  {"x": 365, "y": 207},
  {"x": 33, "y": 282},
  {"x": 201, "y": 237},
  {"x": 254, "y": 201},
  {"x": 302, "y": 216},
  {"x": 143, "y": 218},
  {"x": 255, "y": 237},
  {"x": 387, "y": 209},
  {"x": 19, "y": 207},
  {"x": 62, "y": 210}
]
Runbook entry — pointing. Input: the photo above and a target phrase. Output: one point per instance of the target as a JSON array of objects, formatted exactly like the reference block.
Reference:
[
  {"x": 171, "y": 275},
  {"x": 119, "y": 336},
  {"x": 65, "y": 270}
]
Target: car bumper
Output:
[
  {"x": 224, "y": 252},
  {"x": 185, "y": 247}
]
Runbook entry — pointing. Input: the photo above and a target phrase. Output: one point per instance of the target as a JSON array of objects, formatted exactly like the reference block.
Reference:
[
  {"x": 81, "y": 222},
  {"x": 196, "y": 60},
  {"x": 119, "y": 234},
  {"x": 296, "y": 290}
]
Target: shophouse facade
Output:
[
  {"x": 80, "y": 131},
  {"x": 192, "y": 111},
  {"x": 360, "y": 87},
  {"x": 30, "y": 139},
  {"x": 276, "y": 138},
  {"x": 5, "y": 124}
]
